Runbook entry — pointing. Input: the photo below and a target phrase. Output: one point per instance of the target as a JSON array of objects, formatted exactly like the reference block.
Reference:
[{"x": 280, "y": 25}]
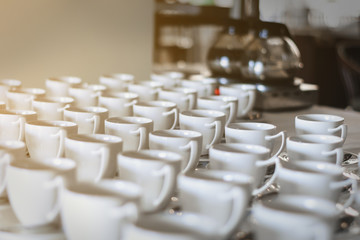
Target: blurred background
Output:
[
  {"x": 186, "y": 29},
  {"x": 87, "y": 38}
]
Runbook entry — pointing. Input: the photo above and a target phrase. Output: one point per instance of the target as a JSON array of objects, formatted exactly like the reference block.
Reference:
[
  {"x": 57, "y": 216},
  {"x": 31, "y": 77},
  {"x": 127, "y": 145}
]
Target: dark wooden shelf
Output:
[{"x": 185, "y": 14}]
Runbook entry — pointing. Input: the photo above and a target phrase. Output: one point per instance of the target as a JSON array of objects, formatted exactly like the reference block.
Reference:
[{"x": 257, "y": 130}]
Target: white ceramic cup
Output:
[
  {"x": 34, "y": 188},
  {"x": 99, "y": 211},
  {"x": 163, "y": 113},
  {"x": 59, "y": 86},
  {"x": 5, "y": 85},
  {"x": 21, "y": 98},
  {"x": 119, "y": 104},
  {"x": 321, "y": 124},
  {"x": 45, "y": 139},
  {"x": 228, "y": 203},
  {"x": 204, "y": 87},
  {"x": 185, "y": 98},
  {"x": 317, "y": 179},
  {"x": 244, "y": 158},
  {"x": 89, "y": 119},
  {"x": 264, "y": 134},
  {"x": 12, "y": 123},
  {"x": 295, "y": 217},
  {"x": 51, "y": 108},
  {"x": 225, "y": 104},
  {"x": 155, "y": 171},
  {"x": 95, "y": 155},
  {"x": 147, "y": 90},
  {"x": 209, "y": 123},
  {"x": 169, "y": 79},
  {"x": 184, "y": 142},
  {"x": 9, "y": 151},
  {"x": 117, "y": 81},
  {"x": 325, "y": 148},
  {"x": 133, "y": 130},
  {"x": 245, "y": 93},
  {"x": 84, "y": 96}
]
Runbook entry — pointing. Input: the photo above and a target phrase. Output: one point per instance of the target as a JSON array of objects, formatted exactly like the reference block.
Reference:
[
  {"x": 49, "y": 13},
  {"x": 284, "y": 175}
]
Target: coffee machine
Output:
[{"x": 252, "y": 51}]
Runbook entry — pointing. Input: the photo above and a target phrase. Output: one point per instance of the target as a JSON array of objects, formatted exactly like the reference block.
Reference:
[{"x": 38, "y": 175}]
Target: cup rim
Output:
[
  {"x": 239, "y": 148},
  {"x": 312, "y": 167},
  {"x": 129, "y": 120},
  {"x": 66, "y": 79},
  {"x": 156, "y": 103},
  {"x": 48, "y": 99},
  {"x": 95, "y": 138},
  {"x": 17, "y": 112},
  {"x": 51, "y": 123},
  {"x": 87, "y": 109},
  {"x": 152, "y": 155},
  {"x": 315, "y": 139},
  {"x": 119, "y": 95},
  {"x": 250, "y": 126},
  {"x": 44, "y": 165},
  {"x": 219, "y": 98},
  {"x": 320, "y": 118},
  {"x": 200, "y": 113},
  {"x": 176, "y": 133}
]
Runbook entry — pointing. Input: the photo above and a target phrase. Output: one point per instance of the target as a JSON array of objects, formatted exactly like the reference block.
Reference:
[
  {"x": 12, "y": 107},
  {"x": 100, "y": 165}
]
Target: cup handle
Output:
[
  {"x": 128, "y": 211},
  {"x": 63, "y": 108},
  {"x": 272, "y": 160},
  {"x": 61, "y": 134},
  {"x": 233, "y": 112},
  {"x": 5, "y": 160},
  {"x": 339, "y": 155},
  {"x": 169, "y": 180},
  {"x": 142, "y": 132},
  {"x": 237, "y": 213},
  {"x": 342, "y": 128},
  {"x": 130, "y": 104},
  {"x": 104, "y": 153},
  {"x": 96, "y": 120},
  {"x": 193, "y": 161},
  {"x": 281, "y": 134},
  {"x": 192, "y": 101},
  {"x": 217, "y": 135},
  {"x": 340, "y": 184},
  {"x": 58, "y": 183},
  {"x": 250, "y": 104},
  {"x": 21, "y": 122},
  {"x": 174, "y": 111}
]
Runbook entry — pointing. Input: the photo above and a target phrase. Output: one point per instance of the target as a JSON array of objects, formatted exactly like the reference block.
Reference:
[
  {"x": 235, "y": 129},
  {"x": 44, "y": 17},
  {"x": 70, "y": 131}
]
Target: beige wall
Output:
[{"x": 85, "y": 38}]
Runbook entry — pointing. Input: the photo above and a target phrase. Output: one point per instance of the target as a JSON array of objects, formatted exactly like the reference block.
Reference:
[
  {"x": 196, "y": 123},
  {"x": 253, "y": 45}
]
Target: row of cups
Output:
[
  {"x": 235, "y": 174},
  {"x": 225, "y": 188},
  {"x": 311, "y": 183},
  {"x": 130, "y": 186}
]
